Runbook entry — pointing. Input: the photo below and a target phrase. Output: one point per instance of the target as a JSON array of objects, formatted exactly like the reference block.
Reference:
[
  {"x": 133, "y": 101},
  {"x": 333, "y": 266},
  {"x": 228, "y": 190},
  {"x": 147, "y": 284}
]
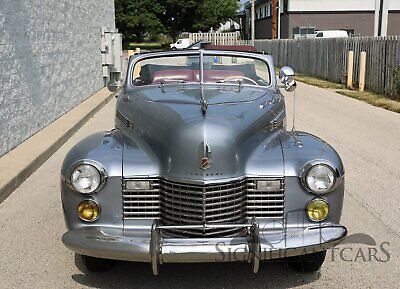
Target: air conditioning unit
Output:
[{"x": 111, "y": 50}]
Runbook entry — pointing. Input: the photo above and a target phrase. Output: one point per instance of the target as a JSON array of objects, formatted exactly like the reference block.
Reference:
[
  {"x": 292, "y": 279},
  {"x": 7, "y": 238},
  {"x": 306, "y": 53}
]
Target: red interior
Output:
[
  {"x": 194, "y": 75},
  {"x": 179, "y": 74},
  {"x": 215, "y": 75}
]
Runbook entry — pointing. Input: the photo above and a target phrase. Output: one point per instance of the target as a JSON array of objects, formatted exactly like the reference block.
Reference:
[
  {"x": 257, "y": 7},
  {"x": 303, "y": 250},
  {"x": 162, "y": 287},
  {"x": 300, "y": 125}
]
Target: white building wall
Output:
[
  {"x": 338, "y": 5},
  {"x": 394, "y": 4},
  {"x": 329, "y": 5}
]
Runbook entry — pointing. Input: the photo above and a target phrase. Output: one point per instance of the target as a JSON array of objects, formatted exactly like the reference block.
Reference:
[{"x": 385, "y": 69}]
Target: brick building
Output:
[{"x": 358, "y": 17}]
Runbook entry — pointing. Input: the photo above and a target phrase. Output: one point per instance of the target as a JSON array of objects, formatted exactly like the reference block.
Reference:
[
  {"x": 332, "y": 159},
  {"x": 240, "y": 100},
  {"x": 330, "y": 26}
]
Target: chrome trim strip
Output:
[{"x": 124, "y": 120}]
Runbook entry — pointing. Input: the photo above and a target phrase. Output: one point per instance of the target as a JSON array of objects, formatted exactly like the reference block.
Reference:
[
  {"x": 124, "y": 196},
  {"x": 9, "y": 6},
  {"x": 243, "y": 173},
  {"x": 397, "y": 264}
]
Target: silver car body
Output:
[{"x": 164, "y": 142}]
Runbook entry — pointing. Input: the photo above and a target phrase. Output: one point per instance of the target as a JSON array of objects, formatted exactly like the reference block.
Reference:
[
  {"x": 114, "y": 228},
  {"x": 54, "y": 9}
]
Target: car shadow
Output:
[{"x": 272, "y": 274}]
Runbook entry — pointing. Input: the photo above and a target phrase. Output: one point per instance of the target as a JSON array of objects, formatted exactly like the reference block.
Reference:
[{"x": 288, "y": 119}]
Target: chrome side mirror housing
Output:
[
  {"x": 286, "y": 76},
  {"x": 114, "y": 85}
]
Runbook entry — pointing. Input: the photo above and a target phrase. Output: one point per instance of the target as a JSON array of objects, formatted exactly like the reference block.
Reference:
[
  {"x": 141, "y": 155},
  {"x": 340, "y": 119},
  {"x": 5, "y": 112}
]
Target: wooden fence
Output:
[
  {"x": 228, "y": 38},
  {"x": 327, "y": 59}
]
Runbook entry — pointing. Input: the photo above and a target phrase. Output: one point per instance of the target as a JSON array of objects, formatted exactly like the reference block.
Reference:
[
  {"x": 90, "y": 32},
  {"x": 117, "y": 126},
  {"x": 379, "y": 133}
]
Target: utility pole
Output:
[
  {"x": 253, "y": 21},
  {"x": 381, "y": 17},
  {"x": 279, "y": 17},
  {"x": 385, "y": 16},
  {"x": 274, "y": 19}
]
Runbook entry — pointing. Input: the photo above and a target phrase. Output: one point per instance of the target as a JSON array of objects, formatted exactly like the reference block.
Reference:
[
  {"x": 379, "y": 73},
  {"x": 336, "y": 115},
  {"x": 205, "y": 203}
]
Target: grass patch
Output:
[
  {"x": 313, "y": 81},
  {"x": 369, "y": 97},
  {"x": 318, "y": 82},
  {"x": 373, "y": 98}
]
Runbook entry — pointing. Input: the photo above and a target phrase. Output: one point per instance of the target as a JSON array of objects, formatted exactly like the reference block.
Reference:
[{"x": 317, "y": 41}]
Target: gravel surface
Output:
[{"x": 368, "y": 139}]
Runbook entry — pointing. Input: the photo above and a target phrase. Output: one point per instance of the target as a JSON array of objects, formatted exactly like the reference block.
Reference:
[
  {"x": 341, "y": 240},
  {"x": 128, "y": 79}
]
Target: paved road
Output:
[{"x": 368, "y": 138}]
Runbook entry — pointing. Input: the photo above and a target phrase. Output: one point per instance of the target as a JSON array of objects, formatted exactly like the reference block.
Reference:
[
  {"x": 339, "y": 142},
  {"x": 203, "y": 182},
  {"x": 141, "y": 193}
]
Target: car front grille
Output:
[{"x": 176, "y": 203}]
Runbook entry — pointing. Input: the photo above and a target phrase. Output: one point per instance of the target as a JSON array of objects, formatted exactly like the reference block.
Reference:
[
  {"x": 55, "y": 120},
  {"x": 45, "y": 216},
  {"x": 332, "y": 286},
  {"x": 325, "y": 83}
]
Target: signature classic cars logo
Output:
[
  {"x": 205, "y": 160},
  {"x": 357, "y": 247}
]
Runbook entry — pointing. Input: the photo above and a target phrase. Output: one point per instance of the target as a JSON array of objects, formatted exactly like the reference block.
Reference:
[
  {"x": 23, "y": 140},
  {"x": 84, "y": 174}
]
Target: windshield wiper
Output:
[
  {"x": 239, "y": 81},
  {"x": 164, "y": 82}
]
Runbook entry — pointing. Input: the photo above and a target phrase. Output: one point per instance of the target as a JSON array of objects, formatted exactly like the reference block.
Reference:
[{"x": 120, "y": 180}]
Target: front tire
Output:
[
  {"x": 94, "y": 264},
  {"x": 307, "y": 263}
]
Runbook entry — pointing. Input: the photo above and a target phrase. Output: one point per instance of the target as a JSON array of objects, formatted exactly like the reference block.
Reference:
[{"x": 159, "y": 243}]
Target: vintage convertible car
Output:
[{"x": 201, "y": 168}]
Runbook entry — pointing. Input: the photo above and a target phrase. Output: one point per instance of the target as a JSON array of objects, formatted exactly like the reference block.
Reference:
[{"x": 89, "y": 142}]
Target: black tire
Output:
[
  {"x": 96, "y": 264},
  {"x": 307, "y": 263}
]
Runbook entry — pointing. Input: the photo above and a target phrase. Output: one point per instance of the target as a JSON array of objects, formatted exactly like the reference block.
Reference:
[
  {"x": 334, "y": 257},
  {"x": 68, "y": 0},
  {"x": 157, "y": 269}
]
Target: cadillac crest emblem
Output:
[{"x": 205, "y": 160}]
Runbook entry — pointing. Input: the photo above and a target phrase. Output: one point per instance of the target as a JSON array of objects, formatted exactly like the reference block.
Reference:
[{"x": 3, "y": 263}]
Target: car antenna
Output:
[
  {"x": 203, "y": 100},
  {"x": 297, "y": 141}
]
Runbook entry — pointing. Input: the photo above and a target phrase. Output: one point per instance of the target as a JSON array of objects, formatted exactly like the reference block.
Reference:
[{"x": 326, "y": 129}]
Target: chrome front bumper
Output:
[{"x": 154, "y": 247}]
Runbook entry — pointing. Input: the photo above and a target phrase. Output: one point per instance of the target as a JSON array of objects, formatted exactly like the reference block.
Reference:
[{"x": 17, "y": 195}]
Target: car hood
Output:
[{"x": 172, "y": 139}]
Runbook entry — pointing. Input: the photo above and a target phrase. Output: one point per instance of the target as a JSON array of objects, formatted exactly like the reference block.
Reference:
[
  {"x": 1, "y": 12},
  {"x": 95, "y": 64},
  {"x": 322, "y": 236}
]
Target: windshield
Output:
[
  {"x": 231, "y": 69},
  {"x": 158, "y": 70},
  {"x": 218, "y": 69}
]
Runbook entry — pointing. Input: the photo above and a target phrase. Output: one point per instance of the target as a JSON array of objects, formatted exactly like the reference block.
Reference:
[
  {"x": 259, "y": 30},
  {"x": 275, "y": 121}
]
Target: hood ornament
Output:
[
  {"x": 205, "y": 160},
  {"x": 204, "y": 105}
]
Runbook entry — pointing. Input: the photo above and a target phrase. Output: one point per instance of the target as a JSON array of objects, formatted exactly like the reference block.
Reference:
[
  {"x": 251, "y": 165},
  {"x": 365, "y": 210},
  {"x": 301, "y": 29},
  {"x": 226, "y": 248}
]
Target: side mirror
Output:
[
  {"x": 286, "y": 76},
  {"x": 113, "y": 85}
]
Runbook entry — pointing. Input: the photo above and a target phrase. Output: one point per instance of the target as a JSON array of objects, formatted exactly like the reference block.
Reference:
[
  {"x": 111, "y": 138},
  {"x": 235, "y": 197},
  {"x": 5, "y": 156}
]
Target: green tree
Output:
[
  {"x": 193, "y": 16},
  {"x": 136, "y": 18},
  {"x": 212, "y": 13},
  {"x": 178, "y": 15}
]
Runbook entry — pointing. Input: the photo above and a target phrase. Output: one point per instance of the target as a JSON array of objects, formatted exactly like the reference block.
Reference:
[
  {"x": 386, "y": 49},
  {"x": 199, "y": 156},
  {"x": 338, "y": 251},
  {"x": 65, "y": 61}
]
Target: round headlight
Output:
[
  {"x": 85, "y": 179},
  {"x": 320, "y": 179},
  {"x": 317, "y": 210},
  {"x": 88, "y": 211}
]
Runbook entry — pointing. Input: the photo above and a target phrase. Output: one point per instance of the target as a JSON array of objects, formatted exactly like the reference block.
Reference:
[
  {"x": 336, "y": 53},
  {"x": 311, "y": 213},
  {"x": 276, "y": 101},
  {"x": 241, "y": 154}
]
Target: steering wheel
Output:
[{"x": 241, "y": 77}]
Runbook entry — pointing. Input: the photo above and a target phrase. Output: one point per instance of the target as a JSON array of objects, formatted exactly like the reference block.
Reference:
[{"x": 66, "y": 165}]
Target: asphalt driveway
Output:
[{"x": 368, "y": 139}]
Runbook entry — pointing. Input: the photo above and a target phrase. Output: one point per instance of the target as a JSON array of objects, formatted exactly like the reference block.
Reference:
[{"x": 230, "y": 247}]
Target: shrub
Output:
[{"x": 396, "y": 81}]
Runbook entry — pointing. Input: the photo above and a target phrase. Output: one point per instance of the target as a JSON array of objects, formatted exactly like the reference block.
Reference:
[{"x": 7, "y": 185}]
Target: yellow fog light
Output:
[
  {"x": 318, "y": 210},
  {"x": 88, "y": 211}
]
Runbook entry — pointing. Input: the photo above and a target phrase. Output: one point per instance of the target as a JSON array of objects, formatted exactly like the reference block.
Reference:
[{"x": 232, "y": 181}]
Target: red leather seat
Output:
[
  {"x": 178, "y": 74},
  {"x": 218, "y": 75}
]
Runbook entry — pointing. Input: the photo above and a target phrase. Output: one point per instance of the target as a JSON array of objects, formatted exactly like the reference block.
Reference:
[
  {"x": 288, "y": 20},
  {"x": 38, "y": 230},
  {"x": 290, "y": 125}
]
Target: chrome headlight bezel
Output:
[
  {"x": 99, "y": 168},
  {"x": 309, "y": 167}
]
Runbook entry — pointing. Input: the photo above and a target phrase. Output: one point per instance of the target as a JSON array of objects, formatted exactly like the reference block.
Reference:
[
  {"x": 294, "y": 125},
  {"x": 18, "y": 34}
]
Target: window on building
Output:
[
  {"x": 261, "y": 14},
  {"x": 266, "y": 11}
]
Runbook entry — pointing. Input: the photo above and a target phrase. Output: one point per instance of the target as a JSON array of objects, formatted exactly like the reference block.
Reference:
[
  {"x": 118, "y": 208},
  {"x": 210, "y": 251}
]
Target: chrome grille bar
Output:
[
  {"x": 142, "y": 204},
  {"x": 182, "y": 204}
]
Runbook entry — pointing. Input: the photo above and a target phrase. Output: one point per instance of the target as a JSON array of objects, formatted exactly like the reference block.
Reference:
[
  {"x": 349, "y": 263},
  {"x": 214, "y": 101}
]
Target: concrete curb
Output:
[{"x": 17, "y": 165}]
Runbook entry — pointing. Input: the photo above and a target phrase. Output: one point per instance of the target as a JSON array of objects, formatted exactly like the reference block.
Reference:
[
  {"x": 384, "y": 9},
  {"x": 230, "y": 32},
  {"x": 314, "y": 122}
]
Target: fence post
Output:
[
  {"x": 350, "y": 64},
  {"x": 363, "y": 65}
]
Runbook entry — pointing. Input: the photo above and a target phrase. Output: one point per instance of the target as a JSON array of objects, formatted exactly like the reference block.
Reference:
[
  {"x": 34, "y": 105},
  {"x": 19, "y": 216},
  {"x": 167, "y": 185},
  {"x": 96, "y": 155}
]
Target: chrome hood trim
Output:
[{"x": 233, "y": 137}]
